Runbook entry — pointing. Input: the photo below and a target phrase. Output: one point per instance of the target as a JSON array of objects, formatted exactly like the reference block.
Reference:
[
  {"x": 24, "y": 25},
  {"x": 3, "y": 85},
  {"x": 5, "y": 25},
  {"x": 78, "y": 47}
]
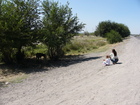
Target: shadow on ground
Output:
[
  {"x": 69, "y": 60},
  {"x": 119, "y": 63},
  {"x": 33, "y": 65}
]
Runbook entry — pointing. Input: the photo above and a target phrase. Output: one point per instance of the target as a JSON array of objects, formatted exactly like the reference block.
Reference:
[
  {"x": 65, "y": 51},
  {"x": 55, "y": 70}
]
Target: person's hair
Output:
[
  {"x": 114, "y": 52},
  {"x": 107, "y": 56}
]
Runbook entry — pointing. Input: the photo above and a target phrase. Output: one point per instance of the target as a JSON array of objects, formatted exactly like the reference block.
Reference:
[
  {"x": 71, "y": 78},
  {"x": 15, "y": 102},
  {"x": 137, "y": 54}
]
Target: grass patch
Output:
[
  {"x": 80, "y": 44},
  {"x": 10, "y": 75},
  {"x": 13, "y": 78},
  {"x": 84, "y": 44}
]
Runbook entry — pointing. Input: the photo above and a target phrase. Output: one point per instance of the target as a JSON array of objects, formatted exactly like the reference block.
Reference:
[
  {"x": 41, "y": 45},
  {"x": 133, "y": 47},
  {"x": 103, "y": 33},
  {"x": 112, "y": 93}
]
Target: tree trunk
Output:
[{"x": 20, "y": 55}]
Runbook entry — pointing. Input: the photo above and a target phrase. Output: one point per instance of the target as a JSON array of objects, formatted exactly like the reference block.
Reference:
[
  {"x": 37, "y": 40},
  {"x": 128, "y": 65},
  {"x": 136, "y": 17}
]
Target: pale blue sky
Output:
[{"x": 91, "y": 12}]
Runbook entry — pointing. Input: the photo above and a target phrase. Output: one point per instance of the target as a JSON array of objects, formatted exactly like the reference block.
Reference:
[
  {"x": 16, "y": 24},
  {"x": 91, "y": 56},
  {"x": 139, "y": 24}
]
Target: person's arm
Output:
[{"x": 111, "y": 55}]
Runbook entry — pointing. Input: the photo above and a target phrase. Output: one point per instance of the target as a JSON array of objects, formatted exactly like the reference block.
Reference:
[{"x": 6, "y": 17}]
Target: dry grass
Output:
[
  {"x": 84, "y": 44},
  {"x": 7, "y": 74},
  {"x": 16, "y": 78}
]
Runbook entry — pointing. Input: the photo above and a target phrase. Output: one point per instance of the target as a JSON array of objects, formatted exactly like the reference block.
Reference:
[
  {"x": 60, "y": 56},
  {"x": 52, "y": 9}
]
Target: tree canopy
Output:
[
  {"x": 60, "y": 25},
  {"x": 19, "y": 24},
  {"x": 106, "y": 26}
]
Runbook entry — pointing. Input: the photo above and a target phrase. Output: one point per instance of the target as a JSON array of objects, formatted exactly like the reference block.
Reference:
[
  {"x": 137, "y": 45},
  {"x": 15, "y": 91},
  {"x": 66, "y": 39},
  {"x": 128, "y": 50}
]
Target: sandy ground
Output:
[{"x": 86, "y": 82}]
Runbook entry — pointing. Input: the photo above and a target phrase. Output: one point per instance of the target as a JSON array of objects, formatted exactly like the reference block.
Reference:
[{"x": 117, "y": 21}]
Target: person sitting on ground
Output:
[
  {"x": 106, "y": 61},
  {"x": 114, "y": 57}
]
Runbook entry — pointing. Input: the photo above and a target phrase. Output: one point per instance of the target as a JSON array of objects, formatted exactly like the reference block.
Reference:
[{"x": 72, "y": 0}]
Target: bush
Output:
[
  {"x": 106, "y": 26},
  {"x": 113, "y": 37}
]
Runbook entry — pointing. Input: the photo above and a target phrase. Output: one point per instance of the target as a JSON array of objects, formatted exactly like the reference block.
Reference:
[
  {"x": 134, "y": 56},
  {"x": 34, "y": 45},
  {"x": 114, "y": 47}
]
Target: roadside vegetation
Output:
[
  {"x": 84, "y": 44},
  {"x": 114, "y": 32},
  {"x": 79, "y": 44},
  {"x": 28, "y": 27}
]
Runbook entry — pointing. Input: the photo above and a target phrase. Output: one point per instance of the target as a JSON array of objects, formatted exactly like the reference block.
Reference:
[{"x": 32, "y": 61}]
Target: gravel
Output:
[{"x": 86, "y": 81}]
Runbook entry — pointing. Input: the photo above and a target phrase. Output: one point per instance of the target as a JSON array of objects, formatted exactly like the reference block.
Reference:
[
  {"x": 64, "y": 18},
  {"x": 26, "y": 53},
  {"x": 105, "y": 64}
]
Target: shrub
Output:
[
  {"x": 106, "y": 26},
  {"x": 113, "y": 37}
]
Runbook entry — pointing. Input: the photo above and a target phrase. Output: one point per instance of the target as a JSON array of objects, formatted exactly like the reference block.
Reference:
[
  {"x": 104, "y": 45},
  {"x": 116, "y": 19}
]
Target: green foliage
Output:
[
  {"x": 106, "y": 26},
  {"x": 59, "y": 27},
  {"x": 19, "y": 25},
  {"x": 32, "y": 50},
  {"x": 113, "y": 37}
]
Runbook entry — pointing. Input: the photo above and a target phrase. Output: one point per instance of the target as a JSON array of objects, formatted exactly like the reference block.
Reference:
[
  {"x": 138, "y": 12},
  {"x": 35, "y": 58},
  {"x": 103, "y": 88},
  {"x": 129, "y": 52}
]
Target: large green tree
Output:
[
  {"x": 106, "y": 26},
  {"x": 19, "y": 25},
  {"x": 59, "y": 27}
]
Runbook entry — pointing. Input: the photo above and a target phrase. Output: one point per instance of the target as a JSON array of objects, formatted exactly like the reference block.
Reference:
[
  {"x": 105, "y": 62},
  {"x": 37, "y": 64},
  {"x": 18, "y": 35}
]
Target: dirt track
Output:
[{"x": 85, "y": 82}]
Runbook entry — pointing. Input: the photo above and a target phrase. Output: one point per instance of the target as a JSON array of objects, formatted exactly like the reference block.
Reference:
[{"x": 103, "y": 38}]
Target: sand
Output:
[{"x": 84, "y": 82}]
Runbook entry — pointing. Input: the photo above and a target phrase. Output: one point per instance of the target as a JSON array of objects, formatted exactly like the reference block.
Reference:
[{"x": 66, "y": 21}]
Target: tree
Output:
[
  {"x": 106, "y": 26},
  {"x": 59, "y": 27},
  {"x": 19, "y": 26},
  {"x": 5, "y": 40},
  {"x": 103, "y": 27},
  {"x": 123, "y": 30}
]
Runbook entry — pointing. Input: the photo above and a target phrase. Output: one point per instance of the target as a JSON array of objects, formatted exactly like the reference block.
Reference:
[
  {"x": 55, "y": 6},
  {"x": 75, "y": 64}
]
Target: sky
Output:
[{"x": 91, "y": 12}]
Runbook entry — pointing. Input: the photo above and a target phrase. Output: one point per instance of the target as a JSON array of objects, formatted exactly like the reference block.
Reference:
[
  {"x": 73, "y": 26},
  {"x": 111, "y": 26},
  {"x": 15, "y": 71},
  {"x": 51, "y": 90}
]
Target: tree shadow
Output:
[
  {"x": 70, "y": 60},
  {"x": 119, "y": 63},
  {"x": 33, "y": 65}
]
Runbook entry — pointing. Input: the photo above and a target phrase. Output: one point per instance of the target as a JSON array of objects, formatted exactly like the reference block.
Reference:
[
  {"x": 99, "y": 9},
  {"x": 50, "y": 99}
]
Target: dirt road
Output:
[{"x": 85, "y": 82}]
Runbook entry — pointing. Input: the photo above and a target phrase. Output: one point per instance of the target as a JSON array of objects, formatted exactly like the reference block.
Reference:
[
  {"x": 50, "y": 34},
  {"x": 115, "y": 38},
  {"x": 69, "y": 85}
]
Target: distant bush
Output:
[
  {"x": 106, "y": 26},
  {"x": 113, "y": 37}
]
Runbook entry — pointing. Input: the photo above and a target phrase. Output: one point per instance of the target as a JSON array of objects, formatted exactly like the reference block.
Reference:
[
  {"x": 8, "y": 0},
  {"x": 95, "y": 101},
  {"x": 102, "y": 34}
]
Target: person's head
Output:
[
  {"x": 107, "y": 56},
  {"x": 114, "y": 52}
]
